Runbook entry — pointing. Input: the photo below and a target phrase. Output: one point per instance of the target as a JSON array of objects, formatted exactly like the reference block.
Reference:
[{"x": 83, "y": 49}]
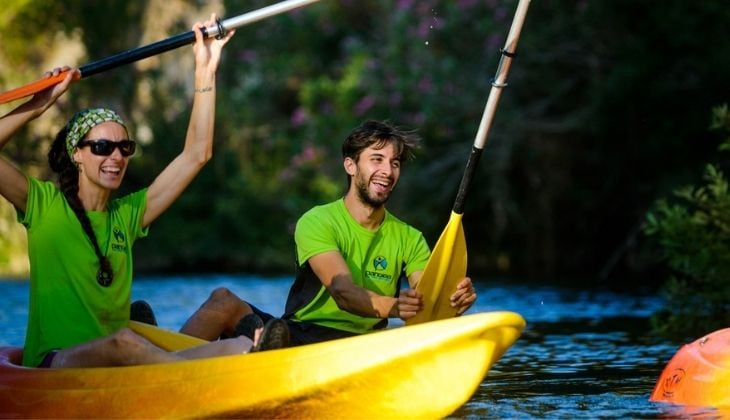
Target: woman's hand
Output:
[
  {"x": 47, "y": 97},
  {"x": 208, "y": 51}
]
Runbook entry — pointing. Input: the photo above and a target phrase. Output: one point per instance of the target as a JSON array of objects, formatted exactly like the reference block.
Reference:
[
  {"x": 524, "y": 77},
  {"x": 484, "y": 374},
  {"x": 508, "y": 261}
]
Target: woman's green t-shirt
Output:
[{"x": 67, "y": 305}]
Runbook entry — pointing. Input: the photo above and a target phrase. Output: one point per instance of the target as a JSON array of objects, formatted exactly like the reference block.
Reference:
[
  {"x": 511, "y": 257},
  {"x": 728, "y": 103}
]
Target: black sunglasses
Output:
[{"x": 104, "y": 147}]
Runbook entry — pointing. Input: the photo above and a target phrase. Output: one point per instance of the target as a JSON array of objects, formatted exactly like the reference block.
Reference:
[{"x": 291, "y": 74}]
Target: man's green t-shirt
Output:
[
  {"x": 376, "y": 259},
  {"x": 67, "y": 305}
]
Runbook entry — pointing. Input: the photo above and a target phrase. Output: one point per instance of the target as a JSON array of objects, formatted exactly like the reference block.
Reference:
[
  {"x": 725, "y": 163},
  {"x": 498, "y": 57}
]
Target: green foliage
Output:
[
  {"x": 597, "y": 91},
  {"x": 12, "y": 243},
  {"x": 693, "y": 234}
]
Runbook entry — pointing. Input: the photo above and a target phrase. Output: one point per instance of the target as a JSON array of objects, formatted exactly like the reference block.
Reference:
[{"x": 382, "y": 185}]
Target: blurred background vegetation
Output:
[{"x": 607, "y": 111}]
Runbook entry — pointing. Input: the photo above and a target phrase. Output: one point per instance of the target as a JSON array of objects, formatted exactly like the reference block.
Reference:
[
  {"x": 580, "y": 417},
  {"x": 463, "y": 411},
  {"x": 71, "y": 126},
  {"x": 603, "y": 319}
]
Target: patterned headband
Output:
[{"x": 84, "y": 121}]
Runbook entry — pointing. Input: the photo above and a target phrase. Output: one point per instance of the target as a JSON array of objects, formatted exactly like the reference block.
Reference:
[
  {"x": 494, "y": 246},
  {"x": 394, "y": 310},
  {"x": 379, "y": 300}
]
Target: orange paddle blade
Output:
[
  {"x": 32, "y": 88},
  {"x": 444, "y": 270}
]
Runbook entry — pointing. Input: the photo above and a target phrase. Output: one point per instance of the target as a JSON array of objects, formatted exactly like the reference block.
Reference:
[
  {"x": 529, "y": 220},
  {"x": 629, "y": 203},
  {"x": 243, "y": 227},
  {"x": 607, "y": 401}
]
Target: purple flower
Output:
[
  {"x": 299, "y": 117},
  {"x": 248, "y": 56},
  {"x": 364, "y": 105},
  {"x": 308, "y": 156},
  {"x": 404, "y": 4},
  {"x": 464, "y": 4},
  {"x": 494, "y": 42},
  {"x": 425, "y": 85},
  {"x": 500, "y": 14}
]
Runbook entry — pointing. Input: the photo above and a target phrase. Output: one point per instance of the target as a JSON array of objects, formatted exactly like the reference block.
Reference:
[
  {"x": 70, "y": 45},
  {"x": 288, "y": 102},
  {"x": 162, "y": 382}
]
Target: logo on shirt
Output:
[
  {"x": 380, "y": 263},
  {"x": 120, "y": 241}
]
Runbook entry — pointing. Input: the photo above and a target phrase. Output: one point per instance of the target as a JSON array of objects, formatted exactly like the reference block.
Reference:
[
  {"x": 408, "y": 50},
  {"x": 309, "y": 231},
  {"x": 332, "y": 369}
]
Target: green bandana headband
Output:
[{"x": 84, "y": 121}]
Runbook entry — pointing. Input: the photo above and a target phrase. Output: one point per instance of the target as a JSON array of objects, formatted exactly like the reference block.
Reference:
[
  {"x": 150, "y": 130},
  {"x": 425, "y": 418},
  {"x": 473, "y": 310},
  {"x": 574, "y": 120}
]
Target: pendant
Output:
[{"x": 104, "y": 278}]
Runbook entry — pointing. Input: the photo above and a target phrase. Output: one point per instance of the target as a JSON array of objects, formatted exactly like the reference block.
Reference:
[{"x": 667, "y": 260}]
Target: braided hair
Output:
[{"x": 68, "y": 180}]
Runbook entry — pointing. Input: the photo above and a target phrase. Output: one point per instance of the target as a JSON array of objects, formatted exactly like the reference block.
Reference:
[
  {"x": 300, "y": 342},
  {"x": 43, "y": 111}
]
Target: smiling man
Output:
[{"x": 351, "y": 255}]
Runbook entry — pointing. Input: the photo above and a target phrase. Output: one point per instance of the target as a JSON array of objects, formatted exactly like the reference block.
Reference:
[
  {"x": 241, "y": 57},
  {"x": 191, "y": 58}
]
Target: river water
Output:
[{"x": 583, "y": 354}]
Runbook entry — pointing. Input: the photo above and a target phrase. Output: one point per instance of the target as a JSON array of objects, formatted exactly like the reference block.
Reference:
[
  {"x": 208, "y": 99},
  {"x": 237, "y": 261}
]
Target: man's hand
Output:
[
  {"x": 464, "y": 297},
  {"x": 409, "y": 303}
]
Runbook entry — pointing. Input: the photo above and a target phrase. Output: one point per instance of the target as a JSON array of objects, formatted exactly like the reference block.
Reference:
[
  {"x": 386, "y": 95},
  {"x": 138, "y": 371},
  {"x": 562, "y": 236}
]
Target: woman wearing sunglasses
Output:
[{"x": 80, "y": 239}]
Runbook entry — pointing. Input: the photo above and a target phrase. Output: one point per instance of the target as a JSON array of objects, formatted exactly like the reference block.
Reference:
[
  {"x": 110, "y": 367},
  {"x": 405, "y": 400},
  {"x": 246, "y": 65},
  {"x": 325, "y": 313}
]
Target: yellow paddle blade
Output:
[
  {"x": 166, "y": 339},
  {"x": 444, "y": 270}
]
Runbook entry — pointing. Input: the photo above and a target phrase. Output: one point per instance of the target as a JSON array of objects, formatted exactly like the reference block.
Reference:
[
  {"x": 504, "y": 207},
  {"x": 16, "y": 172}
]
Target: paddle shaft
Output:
[
  {"x": 499, "y": 82},
  {"x": 446, "y": 267},
  {"x": 155, "y": 48}
]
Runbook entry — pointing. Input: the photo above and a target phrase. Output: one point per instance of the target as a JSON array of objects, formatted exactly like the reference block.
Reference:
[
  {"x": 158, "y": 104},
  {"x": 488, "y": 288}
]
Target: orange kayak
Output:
[
  {"x": 423, "y": 371},
  {"x": 698, "y": 374}
]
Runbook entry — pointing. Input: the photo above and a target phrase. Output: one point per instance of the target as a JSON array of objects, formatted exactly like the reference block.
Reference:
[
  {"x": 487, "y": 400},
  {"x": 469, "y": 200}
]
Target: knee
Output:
[
  {"x": 222, "y": 299},
  {"x": 126, "y": 341},
  {"x": 129, "y": 348},
  {"x": 222, "y": 294}
]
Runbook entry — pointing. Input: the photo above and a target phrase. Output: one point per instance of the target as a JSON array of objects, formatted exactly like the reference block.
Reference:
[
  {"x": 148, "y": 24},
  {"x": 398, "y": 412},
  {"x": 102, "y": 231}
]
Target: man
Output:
[{"x": 351, "y": 255}]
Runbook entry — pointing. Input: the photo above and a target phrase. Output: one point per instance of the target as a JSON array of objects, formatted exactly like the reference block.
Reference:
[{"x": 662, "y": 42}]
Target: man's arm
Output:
[{"x": 334, "y": 274}]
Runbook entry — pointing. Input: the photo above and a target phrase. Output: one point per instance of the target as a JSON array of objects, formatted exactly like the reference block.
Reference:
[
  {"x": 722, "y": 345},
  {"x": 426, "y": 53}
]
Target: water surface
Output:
[{"x": 583, "y": 354}]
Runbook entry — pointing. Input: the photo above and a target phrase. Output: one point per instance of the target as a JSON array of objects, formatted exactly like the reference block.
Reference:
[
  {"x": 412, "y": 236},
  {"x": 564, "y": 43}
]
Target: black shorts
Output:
[
  {"x": 301, "y": 333},
  {"x": 48, "y": 359}
]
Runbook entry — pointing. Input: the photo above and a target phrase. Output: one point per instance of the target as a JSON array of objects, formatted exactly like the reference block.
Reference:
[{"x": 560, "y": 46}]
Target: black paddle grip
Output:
[{"x": 471, "y": 166}]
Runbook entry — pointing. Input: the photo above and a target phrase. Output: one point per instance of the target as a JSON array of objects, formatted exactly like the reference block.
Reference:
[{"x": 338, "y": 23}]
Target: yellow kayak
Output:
[{"x": 422, "y": 371}]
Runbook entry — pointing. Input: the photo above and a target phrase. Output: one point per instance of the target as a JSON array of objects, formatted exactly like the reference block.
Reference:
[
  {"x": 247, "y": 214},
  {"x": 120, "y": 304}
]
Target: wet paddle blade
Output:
[{"x": 444, "y": 270}]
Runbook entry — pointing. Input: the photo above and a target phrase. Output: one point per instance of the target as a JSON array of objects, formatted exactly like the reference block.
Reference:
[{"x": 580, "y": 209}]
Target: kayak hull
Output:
[
  {"x": 422, "y": 371},
  {"x": 698, "y": 374}
]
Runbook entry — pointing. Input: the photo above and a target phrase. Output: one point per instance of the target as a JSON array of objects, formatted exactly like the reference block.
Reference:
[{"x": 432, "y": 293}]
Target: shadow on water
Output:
[{"x": 582, "y": 355}]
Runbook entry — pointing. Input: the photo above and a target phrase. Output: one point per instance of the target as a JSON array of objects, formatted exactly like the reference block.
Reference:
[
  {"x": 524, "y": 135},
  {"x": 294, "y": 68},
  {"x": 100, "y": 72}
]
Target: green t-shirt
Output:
[
  {"x": 376, "y": 259},
  {"x": 67, "y": 305}
]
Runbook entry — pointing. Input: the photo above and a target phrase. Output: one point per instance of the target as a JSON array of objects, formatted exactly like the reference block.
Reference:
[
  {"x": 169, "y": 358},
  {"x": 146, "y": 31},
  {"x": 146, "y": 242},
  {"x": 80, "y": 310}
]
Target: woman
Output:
[{"x": 80, "y": 240}]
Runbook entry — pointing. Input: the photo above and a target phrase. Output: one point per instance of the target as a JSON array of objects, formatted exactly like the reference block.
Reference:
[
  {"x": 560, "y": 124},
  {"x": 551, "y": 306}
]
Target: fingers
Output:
[
  {"x": 198, "y": 30},
  {"x": 223, "y": 35},
  {"x": 464, "y": 297},
  {"x": 409, "y": 303},
  {"x": 71, "y": 75},
  {"x": 55, "y": 87},
  {"x": 55, "y": 72}
]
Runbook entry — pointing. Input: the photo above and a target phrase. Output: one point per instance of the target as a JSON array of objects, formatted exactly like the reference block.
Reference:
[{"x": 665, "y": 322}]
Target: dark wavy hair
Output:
[{"x": 379, "y": 134}]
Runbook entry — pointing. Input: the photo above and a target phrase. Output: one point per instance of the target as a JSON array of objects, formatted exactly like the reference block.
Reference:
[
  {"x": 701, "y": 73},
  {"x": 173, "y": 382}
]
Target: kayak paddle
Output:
[
  {"x": 155, "y": 48},
  {"x": 447, "y": 265}
]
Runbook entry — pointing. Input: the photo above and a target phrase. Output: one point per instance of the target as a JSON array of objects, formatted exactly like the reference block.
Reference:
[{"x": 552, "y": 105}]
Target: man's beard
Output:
[{"x": 365, "y": 197}]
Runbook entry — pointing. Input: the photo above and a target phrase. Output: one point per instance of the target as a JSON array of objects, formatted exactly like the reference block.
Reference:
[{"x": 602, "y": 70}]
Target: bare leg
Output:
[
  {"x": 126, "y": 348},
  {"x": 225, "y": 347},
  {"x": 119, "y": 349},
  {"x": 217, "y": 315}
]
